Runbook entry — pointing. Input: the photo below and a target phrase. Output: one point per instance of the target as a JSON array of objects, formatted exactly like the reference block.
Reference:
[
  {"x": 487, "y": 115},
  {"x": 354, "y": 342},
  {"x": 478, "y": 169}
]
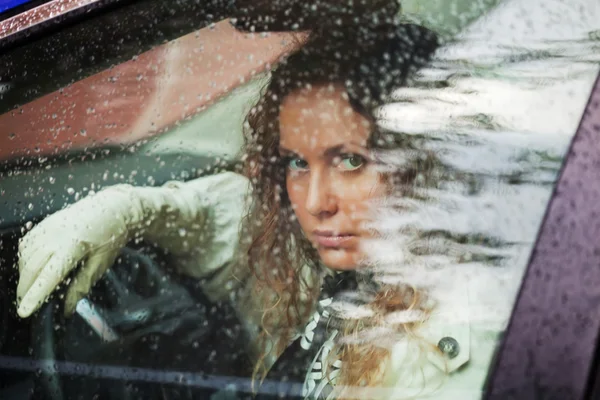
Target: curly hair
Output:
[{"x": 285, "y": 265}]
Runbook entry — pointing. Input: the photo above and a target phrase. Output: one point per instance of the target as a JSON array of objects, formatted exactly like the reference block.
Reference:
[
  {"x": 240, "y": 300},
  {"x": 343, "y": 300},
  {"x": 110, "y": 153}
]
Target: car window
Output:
[
  {"x": 481, "y": 131},
  {"x": 559, "y": 263}
]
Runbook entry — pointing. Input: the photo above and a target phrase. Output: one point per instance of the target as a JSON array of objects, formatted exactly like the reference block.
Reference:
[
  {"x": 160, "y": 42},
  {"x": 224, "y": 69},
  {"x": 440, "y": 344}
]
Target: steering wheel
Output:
[
  {"x": 134, "y": 307},
  {"x": 4, "y": 307}
]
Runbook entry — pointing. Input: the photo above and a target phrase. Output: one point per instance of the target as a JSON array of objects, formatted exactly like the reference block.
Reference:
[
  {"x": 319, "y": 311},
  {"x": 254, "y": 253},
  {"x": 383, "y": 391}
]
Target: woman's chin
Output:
[{"x": 339, "y": 259}]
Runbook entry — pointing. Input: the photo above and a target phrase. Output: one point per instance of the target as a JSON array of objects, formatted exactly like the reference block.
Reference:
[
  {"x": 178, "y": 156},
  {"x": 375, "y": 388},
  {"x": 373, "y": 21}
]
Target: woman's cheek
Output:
[
  {"x": 364, "y": 185},
  {"x": 296, "y": 192}
]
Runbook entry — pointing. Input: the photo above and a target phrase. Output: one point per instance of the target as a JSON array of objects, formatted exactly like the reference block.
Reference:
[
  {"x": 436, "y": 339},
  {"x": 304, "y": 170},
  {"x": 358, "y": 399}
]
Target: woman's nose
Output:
[{"x": 320, "y": 201}]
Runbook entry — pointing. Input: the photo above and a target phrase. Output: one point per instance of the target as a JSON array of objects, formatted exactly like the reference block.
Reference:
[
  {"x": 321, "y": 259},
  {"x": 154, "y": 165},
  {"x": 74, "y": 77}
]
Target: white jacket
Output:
[{"x": 198, "y": 222}]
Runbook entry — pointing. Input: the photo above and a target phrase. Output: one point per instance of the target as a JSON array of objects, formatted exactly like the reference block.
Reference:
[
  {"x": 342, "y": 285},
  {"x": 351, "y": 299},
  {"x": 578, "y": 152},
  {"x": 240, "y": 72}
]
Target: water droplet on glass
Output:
[
  {"x": 70, "y": 191},
  {"x": 52, "y": 180},
  {"x": 28, "y": 225}
]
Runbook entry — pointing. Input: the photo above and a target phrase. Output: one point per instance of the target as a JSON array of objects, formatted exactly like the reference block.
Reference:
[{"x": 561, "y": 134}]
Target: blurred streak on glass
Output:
[{"x": 498, "y": 106}]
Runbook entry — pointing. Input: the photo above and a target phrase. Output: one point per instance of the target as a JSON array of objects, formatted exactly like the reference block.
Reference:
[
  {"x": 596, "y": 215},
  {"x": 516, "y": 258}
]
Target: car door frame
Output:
[{"x": 549, "y": 347}]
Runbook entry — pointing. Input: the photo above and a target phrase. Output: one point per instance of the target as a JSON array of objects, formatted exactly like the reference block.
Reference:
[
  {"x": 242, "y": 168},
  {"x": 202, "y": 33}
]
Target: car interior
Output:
[
  {"x": 144, "y": 330},
  {"x": 139, "y": 306}
]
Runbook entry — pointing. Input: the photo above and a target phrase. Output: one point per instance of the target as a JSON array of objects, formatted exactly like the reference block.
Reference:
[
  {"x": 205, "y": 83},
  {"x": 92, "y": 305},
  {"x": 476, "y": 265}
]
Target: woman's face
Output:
[{"x": 329, "y": 173}]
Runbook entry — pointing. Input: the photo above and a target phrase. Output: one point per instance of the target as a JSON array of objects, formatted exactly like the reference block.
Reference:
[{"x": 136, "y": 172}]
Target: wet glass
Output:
[
  {"x": 498, "y": 106},
  {"x": 496, "y": 109}
]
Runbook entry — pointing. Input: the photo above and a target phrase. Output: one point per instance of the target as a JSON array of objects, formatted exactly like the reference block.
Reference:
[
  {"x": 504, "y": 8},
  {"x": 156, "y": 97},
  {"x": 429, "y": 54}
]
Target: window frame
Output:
[
  {"x": 549, "y": 347},
  {"x": 512, "y": 374}
]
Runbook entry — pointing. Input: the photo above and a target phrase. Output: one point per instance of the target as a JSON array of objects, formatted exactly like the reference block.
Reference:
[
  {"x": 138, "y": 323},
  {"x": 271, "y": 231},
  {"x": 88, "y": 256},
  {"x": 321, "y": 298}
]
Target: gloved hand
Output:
[
  {"x": 197, "y": 222},
  {"x": 91, "y": 232}
]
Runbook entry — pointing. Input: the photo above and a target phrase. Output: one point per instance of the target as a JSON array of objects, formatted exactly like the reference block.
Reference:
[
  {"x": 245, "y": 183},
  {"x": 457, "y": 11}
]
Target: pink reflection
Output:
[{"x": 144, "y": 96}]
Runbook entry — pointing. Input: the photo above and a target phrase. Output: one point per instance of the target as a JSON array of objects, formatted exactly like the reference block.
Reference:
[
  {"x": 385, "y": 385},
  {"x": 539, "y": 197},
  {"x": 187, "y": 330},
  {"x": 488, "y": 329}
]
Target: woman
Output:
[{"x": 311, "y": 160}]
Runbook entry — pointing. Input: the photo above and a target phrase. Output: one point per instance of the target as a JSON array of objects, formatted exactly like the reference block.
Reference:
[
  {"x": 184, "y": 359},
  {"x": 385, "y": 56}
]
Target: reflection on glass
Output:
[
  {"x": 497, "y": 108},
  {"x": 386, "y": 240}
]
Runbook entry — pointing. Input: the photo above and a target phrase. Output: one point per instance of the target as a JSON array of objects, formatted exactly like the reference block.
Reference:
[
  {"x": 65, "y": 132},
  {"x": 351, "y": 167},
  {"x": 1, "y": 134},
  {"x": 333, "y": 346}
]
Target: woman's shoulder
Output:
[{"x": 455, "y": 346}]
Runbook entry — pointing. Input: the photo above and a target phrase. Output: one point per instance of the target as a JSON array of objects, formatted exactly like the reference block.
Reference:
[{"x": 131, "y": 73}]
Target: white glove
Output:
[{"x": 197, "y": 222}]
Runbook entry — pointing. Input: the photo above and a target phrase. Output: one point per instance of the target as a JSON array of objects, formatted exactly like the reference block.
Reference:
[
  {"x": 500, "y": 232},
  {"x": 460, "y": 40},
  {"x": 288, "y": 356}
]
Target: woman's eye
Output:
[
  {"x": 297, "y": 164},
  {"x": 351, "y": 162}
]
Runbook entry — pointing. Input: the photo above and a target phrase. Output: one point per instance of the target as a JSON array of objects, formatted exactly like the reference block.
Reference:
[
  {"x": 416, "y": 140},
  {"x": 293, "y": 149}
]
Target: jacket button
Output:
[{"x": 449, "y": 346}]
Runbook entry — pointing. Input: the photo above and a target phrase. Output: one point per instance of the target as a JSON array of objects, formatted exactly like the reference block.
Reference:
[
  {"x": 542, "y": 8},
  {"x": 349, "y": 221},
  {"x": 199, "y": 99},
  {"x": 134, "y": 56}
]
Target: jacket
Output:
[{"x": 198, "y": 223}]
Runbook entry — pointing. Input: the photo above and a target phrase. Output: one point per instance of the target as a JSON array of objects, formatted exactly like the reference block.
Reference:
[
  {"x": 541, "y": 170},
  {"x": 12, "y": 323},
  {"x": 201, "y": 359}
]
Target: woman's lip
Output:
[{"x": 332, "y": 240}]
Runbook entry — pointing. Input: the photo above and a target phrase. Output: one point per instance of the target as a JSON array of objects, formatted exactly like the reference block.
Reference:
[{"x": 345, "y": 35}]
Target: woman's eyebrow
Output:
[
  {"x": 335, "y": 150},
  {"x": 287, "y": 152},
  {"x": 330, "y": 152},
  {"x": 343, "y": 148}
]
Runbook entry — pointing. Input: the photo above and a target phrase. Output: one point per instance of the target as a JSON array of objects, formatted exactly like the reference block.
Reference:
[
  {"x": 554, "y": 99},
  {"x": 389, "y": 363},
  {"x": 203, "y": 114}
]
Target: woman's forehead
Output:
[{"x": 320, "y": 117}]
